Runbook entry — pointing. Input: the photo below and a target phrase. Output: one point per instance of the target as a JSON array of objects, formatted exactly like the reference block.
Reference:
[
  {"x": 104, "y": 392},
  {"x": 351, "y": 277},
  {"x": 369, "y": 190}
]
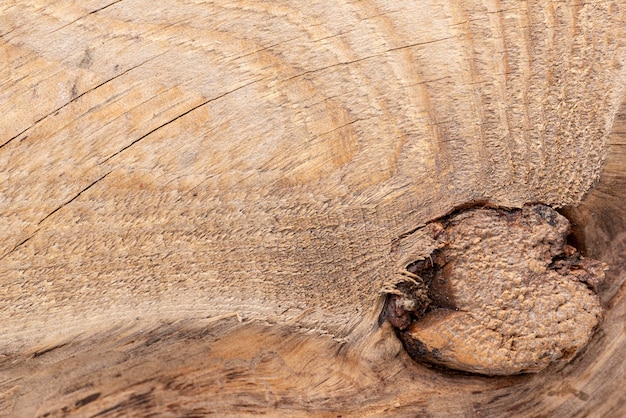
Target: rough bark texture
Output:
[
  {"x": 203, "y": 203},
  {"x": 504, "y": 297}
]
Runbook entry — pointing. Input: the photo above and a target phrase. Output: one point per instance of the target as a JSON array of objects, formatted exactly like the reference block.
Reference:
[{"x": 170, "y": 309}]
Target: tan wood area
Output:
[{"x": 201, "y": 201}]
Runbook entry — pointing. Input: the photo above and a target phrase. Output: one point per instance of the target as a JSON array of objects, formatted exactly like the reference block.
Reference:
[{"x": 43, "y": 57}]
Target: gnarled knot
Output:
[{"x": 502, "y": 293}]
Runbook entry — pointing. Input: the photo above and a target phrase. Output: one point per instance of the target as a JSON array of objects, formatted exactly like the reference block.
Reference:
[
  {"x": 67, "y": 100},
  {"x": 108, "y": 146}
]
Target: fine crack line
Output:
[
  {"x": 73, "y": 198},
  {"x": 104, "y": 7},
  {"x": 256, "y": 51},
  {"x": 369, "y": 56},
  {"x": 338, "y": 128},
  {"x": 331, "y": 66},
  {"x": 178, "y": 117},
  {"x": 19, "y": 245},
  {"x": 84, "y": 16},
  {"x": 420, "y": 43},
  {"x": 395, "y": 241},
  {"x": 2, "y": 35},
  {"x": 434, "y": 80},
  {"x": 76, "y": 98}
]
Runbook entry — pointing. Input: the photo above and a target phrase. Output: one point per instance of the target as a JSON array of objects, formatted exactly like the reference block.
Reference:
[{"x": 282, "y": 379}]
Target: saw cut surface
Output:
[{"x": 507, "y": 294}]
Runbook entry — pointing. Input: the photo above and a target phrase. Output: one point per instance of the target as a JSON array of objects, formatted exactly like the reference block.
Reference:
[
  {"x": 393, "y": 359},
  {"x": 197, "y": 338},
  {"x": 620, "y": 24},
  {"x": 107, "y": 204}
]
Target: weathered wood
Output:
[
  {"x": 505, "y": 294},
  {"x": 203, "y": 203}
]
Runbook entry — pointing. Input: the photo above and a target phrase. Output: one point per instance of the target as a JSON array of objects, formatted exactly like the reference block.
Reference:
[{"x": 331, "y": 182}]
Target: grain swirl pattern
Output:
[{"x": 183, "y": 160}]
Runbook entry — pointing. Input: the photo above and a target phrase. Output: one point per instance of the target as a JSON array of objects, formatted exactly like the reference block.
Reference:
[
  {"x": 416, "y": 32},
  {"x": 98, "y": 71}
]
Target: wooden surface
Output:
[
  {"x": 503, "y": 296},
  {"x": 202, "y": 202}
]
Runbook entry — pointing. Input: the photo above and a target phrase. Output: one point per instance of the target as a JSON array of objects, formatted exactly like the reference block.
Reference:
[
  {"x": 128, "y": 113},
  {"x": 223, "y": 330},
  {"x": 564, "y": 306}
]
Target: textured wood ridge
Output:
[{"x": 201, "y": 201}]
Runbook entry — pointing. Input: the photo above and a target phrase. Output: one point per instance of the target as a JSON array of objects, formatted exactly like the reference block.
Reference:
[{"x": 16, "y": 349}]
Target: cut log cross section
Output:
[{"x": 206, "y": 205}]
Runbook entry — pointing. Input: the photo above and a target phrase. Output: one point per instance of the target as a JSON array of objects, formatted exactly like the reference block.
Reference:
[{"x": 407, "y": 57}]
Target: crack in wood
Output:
[
  {"x": 75, "y": 99},
  {"x": 378, "y": 54},
  {"x": 73, "y": 198},
  {"x": 18, "y": 245},
  {"x": 88, "y": 14},
  {"x": 178, "y": 117}
]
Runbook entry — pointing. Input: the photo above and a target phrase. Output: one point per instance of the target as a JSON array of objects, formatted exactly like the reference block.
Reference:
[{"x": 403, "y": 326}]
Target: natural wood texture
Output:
[
  {"x": 202, "y": 202},
  {"x": 506, "y": 295}
]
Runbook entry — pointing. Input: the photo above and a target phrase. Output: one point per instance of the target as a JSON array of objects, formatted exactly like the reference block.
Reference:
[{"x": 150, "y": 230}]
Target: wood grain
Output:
[{"x": 200, "y": 200}]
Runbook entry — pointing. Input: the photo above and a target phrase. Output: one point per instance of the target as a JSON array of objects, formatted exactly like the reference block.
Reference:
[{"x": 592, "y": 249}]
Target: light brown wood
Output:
[{"x": 203, "y": 202}]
